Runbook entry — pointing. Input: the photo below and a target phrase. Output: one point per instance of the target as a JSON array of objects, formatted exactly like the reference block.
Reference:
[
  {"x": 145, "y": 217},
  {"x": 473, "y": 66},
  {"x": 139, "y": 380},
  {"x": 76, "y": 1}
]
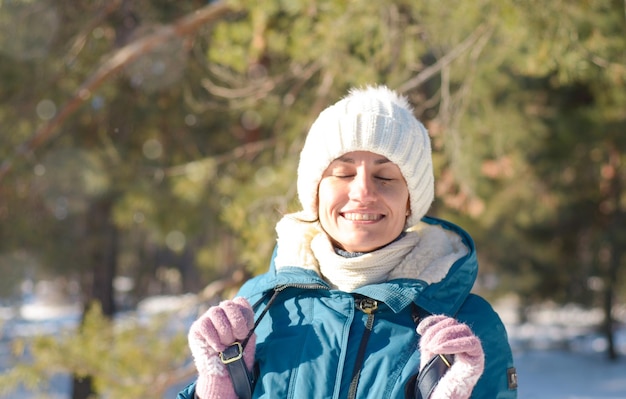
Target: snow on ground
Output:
[
  {"x": 558, "y": 352},
  {"x": 556, "y": 374}
]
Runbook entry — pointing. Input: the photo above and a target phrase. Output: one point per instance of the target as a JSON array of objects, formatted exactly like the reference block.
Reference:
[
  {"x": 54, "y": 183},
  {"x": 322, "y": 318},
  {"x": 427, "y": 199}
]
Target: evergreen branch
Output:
[
  {"x": 444, "y": 61},
  {"x": 117, "y": 61}
]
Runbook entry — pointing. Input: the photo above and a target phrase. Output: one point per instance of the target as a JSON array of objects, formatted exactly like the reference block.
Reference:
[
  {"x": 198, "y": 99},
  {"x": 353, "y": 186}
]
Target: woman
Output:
[{"x": 364, "y": 291}]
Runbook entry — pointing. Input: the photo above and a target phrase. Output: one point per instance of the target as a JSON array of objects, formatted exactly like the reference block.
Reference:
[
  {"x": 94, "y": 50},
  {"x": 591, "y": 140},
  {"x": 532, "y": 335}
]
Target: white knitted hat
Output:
[{"x": 374, "y": 119}]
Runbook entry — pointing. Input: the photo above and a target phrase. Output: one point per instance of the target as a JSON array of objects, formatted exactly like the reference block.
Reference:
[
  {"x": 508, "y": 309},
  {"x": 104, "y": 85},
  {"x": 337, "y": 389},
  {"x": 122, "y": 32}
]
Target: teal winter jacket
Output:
[{"x": 310, "y": 339}]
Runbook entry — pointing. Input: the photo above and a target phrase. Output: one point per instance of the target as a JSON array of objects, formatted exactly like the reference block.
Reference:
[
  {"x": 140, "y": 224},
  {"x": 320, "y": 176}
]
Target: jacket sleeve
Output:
[
  {"x": 188, "y": 393},
  {"x": 499, "y": 380}
]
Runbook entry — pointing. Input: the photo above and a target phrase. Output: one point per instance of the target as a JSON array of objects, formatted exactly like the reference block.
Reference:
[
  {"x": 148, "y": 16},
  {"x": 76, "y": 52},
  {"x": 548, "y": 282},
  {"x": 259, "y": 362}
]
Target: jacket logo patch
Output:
[{"x": 511, "y": 375}]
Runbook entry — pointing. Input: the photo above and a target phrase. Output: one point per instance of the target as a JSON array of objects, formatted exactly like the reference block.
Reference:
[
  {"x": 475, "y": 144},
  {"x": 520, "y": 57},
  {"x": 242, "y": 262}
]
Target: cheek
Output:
[
  {"x": 322, "y": 202},
  {"x": 401, "y": 202},
  {"x": 396, "y": 196},
  {"x": 326, "y": 195}
]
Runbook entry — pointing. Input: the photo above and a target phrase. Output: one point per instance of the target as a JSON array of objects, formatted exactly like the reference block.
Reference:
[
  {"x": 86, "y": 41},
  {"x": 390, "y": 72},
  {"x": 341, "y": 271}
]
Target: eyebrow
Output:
[{"x": 346, "y": 159}]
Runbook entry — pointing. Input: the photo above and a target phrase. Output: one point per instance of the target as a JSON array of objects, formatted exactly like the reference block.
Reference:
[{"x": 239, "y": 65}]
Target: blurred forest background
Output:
[{"x": 148, "y": 148}]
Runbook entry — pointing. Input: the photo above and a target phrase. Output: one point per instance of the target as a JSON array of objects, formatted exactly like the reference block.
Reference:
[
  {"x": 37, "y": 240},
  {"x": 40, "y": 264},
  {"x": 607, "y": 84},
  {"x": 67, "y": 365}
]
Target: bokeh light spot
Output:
[
  {"x": 190, "y": 120},
  {"x": 251, "y": 120},
  {"x": 175, "y": 240},
  {"x": 139, "y": 217},
  {"x": 39, "y": 170},
  {"x": 46, "y": 109},
  {"x": 152, "y": 149},
  {"x": 265, "y": 176}
]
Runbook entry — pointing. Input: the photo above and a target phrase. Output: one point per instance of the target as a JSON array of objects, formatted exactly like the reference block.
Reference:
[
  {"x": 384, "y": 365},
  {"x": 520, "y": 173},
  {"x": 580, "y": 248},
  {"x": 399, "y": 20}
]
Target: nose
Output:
[{"x": 362, "y": 188}]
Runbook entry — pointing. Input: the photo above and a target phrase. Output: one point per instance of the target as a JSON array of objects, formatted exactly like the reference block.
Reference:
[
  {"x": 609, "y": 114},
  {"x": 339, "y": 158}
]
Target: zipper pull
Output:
[{"x": 366, "y": 305}]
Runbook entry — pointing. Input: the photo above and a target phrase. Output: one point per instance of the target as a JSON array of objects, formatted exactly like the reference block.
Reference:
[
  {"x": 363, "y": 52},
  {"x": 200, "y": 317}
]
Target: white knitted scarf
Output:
[{"x": 425, "y": 252}]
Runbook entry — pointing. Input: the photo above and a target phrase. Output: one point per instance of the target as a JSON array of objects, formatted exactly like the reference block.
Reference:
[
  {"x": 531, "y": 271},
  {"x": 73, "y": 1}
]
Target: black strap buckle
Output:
[
  {"x": 232, "y": 353},
  {"x": 232, "y": 357}
]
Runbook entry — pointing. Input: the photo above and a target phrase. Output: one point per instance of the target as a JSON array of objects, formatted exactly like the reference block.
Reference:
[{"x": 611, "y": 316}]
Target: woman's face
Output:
[{"x": 362, "y": 201}]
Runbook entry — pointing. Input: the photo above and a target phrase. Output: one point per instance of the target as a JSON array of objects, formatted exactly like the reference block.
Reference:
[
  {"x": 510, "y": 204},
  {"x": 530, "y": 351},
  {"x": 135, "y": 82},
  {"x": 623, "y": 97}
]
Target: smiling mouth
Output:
[{"x": 363, "y": 217}]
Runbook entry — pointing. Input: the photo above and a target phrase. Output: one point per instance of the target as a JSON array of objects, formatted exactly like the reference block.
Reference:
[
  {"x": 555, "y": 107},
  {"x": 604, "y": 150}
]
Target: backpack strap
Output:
[
  {"x": 422, "y": 385},
  {"x": 232, "y": 357},
  {"x": 242, "y": 379}
]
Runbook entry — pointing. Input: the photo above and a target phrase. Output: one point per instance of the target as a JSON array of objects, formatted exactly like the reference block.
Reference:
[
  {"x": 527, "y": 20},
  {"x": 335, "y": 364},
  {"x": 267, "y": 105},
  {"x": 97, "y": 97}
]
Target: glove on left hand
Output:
[{"x": 442, "y": 335}]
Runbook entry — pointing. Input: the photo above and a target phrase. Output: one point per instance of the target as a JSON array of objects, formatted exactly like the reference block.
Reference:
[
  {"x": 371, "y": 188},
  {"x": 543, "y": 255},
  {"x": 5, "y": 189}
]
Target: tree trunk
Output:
[
  {"x": 614, "y": 243},
  {"x": 101, "y": 241},
  {"x": 82, "y": 387},
  {"x": 608, "y": 317}
]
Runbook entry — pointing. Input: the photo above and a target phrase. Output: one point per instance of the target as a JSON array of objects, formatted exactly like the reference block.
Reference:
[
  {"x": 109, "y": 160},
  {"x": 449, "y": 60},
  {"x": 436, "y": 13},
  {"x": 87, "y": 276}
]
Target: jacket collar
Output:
[{"x": 443, "y": 297}]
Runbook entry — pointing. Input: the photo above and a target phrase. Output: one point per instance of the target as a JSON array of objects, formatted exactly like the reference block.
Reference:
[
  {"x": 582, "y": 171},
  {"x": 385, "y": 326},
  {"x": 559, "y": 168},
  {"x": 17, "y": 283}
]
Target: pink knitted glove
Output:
[
  {"x": 211, "y": 333},
  {"x": 442, "y": 335}
]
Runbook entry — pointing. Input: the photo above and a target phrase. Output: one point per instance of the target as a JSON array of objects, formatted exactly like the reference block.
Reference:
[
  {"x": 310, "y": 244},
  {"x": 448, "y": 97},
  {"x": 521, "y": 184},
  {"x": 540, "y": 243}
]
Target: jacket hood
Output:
[
  {"x": 447, "y": 295},
  {"x": 441, "y": 295}
]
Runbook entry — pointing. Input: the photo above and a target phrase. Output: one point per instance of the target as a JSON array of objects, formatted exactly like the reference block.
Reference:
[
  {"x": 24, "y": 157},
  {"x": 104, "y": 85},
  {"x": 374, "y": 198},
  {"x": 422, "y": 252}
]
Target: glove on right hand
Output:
[
  {"x": 442, "y": 335},
  {"x": 210, "y": 334}
]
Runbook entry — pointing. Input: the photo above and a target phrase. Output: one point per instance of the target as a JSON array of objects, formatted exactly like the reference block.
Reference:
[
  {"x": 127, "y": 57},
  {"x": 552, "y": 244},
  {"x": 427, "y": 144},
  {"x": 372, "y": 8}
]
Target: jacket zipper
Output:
[
  {"x": 277, "y": 290},
  {"x": 311, "y": 286},
  {"x": 367, "y": 306}
]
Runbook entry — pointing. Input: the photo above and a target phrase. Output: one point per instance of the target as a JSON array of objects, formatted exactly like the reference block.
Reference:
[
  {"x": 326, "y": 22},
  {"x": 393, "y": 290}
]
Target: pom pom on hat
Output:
[{"x": 374, "y": 119}]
